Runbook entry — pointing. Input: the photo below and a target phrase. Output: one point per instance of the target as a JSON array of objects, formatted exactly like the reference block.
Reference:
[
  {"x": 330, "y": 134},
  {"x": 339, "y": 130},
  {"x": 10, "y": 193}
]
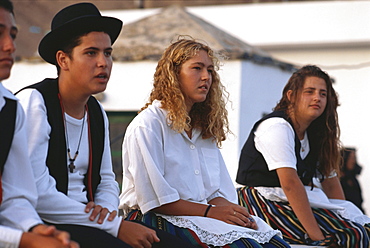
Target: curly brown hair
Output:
[
  {"x": 209, "y": 116},
  {"x": 325, "y": 129}
]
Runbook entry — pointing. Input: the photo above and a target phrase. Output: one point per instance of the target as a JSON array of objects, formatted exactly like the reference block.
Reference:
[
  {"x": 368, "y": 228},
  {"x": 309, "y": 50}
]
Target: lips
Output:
[
  {"x": 204, "y": 87},
  {"x": 316, "y": 106},
  {"x": 102, "y": 76},
  {"x": 8, "y": 60}
]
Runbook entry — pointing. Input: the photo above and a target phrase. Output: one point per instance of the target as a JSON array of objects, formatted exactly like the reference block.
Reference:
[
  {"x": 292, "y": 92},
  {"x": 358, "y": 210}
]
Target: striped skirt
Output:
[
  {"x": 188, "y": 235},
  {"x": 279, "y": 215}
]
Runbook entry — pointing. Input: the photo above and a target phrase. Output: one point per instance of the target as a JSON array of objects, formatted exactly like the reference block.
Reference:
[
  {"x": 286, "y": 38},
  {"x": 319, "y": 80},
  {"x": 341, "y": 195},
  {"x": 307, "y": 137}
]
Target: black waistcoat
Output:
[
  {"x": 8, "y": 116},
  {"x": 57, "y": 151},
  {"x": 7, "y": 125},
  {"x": 253, "y": 170}
]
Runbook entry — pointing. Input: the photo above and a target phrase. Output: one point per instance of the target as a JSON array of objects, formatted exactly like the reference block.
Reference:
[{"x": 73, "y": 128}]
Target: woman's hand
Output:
[
  {"x": 99, "y": 211},
  {"x": 233, "y": 214},
  {"x": 137, "y": 235}
]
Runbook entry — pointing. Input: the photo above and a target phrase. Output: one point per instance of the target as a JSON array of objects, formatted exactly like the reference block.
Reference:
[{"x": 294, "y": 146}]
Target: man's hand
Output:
[
  {"x": 46, "y": 236},
  {"x": 99, "y": 211},
  {"x": 136, "y": 235}
]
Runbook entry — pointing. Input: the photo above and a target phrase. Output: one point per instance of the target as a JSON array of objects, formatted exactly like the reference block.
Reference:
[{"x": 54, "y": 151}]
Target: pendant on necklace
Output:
[
  {"x": 302, "y": 149},
  {"x": 71, "y": 166}
]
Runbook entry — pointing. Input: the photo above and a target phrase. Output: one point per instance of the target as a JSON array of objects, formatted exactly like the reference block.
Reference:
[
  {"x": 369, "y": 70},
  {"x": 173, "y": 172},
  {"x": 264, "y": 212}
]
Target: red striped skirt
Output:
[{"x": 279, "y": 215}]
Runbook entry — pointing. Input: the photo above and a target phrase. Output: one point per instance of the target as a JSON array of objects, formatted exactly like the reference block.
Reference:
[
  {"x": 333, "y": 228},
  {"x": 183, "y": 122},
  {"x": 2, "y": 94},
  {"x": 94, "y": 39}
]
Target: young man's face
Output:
[
  {"x": 8, "y": 32},
  {"x": 90, "y": 64}
]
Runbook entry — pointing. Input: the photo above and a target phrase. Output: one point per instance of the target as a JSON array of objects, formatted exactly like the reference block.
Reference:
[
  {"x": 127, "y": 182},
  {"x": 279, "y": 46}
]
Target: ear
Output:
[
  {"x": 289, "y": 95},
  {"x": 62, "y": 60}
]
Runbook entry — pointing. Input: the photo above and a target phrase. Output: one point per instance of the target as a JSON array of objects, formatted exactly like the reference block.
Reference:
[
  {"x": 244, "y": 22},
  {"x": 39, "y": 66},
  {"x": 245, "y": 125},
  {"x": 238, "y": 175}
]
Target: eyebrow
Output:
[
  {"x": 201, "y": 63},
  {"x": 97, "y": 49},
  {"x": 312, "y": 88}
]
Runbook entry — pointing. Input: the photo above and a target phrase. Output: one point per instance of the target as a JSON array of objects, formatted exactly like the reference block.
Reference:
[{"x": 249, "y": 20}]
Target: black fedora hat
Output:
[{"x": 75, "y": 20}]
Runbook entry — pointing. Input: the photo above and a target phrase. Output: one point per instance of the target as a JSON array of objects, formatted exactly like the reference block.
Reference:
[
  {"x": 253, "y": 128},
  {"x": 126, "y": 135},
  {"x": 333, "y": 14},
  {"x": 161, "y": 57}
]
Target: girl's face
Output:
[
  {"x": 196, "y": 78},
  {"x": 311, "y": 102}
]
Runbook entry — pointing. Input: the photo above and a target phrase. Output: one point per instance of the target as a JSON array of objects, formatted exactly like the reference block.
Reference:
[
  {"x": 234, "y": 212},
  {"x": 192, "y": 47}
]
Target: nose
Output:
[
  {"x": 317, "y": 96},
  {"x": 9, "y": 44},
  {"x": 103, "y": 61},
  {"x": 206, "y": 75}
]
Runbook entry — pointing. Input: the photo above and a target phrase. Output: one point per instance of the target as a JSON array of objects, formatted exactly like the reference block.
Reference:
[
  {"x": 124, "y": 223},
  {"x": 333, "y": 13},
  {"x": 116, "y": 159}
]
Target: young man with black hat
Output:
[
  {"x": 68, "y": 129},
  {"x": 20, "y": 225}
]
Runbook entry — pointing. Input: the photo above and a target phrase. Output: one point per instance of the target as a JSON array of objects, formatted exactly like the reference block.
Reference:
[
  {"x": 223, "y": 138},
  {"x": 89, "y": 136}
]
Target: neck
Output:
[
  {"x": 72, "y": 98},
  {"x": 72, "y": 105},
  {"x": 300, "y": 126}
]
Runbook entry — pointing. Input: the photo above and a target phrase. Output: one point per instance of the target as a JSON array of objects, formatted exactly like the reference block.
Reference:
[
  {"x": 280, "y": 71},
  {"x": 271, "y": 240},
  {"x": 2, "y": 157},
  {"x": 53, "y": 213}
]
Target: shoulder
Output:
[
  {"x": 152, "y": 114},
  {"x": 274, "y": 123},
  {"x": 30, "y": 96}
]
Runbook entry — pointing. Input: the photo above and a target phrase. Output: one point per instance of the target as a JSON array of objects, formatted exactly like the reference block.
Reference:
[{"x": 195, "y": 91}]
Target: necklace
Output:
[
  {"x": 304, "y": 144},
  {"x": 71, "y": 165}
]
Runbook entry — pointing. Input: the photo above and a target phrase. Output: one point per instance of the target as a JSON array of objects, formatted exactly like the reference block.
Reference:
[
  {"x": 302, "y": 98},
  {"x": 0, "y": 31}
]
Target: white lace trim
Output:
[{"x": 220, "y": 233}]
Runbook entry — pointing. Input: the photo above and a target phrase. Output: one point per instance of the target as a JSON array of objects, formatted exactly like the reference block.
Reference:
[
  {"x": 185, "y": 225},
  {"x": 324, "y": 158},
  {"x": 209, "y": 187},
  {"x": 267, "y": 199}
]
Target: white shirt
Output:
[
  {"x": 282, "y": 154},
  {"x": 161, "y": 166},
  {"x": 9, "y": 237},
  {"x": 19, "y": 190},
  {"x": 274, "y": 139},
  {"x": 54, "y": 206}
]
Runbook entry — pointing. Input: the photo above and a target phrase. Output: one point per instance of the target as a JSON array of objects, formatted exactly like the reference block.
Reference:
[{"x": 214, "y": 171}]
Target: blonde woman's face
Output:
[{"x": 196, "y": 78}]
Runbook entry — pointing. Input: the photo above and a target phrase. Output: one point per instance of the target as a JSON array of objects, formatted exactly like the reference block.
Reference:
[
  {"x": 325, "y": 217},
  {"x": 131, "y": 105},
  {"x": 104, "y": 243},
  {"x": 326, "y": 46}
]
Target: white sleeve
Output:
[
  {"x": 144, "y": 184},
  {"x": 227, "y": 188},
  {"x": 53, "y": 206},
  {"x": 9, "y": 237},
  {"x": 274, "y": 139},
  {"x": 108, "y": 191},
  {"x": 17, "y": 209}
]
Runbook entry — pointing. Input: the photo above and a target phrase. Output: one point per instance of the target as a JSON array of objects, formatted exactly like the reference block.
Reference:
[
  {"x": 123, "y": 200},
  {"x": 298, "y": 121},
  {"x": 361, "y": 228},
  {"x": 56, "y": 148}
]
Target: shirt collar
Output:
[{"x": 5, "y": 93}]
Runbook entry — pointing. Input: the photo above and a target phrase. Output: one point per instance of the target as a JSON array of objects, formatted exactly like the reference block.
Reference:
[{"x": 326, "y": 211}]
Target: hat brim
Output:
[{"x": 55, "y": 40}]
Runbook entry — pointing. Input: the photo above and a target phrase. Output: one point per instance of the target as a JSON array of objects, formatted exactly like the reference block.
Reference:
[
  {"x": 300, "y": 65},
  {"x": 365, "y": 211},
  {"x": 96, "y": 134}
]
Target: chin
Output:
[{"x": 4, "y": 74}]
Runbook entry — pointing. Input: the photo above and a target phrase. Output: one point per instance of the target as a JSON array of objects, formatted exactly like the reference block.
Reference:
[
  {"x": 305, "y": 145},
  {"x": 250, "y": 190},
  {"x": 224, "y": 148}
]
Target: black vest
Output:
[
  {"x": 253, "y": 170},
  {"x": 57, "y": 151},
  {"x": 7, "y": 125}
]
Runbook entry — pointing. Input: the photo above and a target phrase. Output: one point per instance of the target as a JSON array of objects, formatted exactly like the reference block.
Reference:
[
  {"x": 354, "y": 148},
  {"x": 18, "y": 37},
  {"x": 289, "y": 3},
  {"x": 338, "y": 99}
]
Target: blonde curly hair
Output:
[{"x": 209, "y": 116}]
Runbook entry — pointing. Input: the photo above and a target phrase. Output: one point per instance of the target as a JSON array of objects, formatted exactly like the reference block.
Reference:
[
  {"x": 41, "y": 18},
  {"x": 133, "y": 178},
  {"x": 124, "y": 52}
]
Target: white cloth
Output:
[
  {"x": 19, "y": 190},
  {"x": 282, "y": 154},
  {"x": 54, "y": 206},
  {"x": 161, "y": 166},
  {"x": 9, "y": 237}
]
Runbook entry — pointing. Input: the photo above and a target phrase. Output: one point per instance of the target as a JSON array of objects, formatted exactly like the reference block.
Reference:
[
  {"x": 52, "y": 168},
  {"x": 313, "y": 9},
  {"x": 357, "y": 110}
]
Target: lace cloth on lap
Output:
[{"x": 218, "y": 233}]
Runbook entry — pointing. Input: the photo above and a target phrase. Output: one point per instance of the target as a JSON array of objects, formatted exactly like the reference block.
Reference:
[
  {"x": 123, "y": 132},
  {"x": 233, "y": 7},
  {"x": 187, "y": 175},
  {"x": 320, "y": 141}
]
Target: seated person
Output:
[
  {"x": 68, "y": 134},
  {"x": 285, "y": 151},
  {"x": 20, "y": 225},
  {"x": 173, "y": 171}
]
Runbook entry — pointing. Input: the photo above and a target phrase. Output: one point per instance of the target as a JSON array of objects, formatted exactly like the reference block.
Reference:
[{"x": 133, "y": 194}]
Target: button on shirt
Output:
[{"x": 161, "y": 166}]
